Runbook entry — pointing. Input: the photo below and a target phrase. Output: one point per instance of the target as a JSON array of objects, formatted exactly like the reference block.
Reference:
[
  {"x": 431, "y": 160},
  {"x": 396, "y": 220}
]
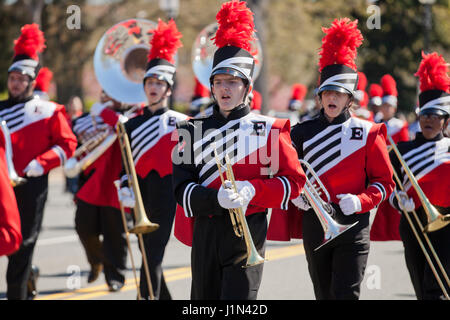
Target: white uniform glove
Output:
[
  {"x": 126, "y": 197},
  {"x": 301, "y": 202},
  {"x": 406, "y": 203},
  {"x": 98, "y": 107},
  {"x": 349, "y": 203},
  {"x": 34, "y": 169},
  {"x": 229, "y": 199}
]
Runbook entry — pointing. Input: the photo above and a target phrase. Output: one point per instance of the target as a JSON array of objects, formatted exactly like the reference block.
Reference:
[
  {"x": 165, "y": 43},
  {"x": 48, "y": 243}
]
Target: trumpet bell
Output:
[
  {"x": 120, "y": 59},
  {"x": 203, "y": 50},
  {"x": 334, "y": 231}
]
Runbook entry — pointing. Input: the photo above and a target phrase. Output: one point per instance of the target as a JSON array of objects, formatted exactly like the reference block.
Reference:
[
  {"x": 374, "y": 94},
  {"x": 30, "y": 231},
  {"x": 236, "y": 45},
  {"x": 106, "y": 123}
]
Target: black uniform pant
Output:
[
  {"x": 337, "y": 269},
  {"x": 218, "y": 255},
  {"x": 92, "y": 221},
  {"x": 31, "y": 198},
  {"x": 160, "y": 205},
  {"x": 424, "y": 282}
]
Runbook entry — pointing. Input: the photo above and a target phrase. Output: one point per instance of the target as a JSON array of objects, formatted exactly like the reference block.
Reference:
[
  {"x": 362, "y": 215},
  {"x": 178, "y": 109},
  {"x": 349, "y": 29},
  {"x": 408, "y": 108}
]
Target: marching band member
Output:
[
  {"x": 350, "y": 157},
  {"x": 98, "y": 211},
  {"x": 254, "y": 143},
  {"x": 396, "y": 128},
  {"x": 200, "y": 100},
  {"x": 43, "y": 80},
  {"x": 428, "y": 156},
  {"x": 28, "y": 117},
  {"x": 375, "y": 101},
  {"x": 151, "y": 141},
  {"x": 296, "y": 103},
  {"x": 10, "y": 234},
  {"x": 362, "y": 99}
]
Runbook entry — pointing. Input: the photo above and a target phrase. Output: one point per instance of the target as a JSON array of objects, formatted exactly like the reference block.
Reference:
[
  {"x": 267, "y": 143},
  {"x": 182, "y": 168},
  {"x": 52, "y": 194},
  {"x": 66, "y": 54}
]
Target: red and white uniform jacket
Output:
[
  {"x": 429, "y": 162},
  {"x": 349, "y": 155},
  {"x": 10, "y": 228},
  {"x": 152, "y": 137},
  {"x": 397, "y": 129},
  {"x": 97, "y": 181},
  {"x": 39, "y": 130},
  {"x": 260, "y": 151}
]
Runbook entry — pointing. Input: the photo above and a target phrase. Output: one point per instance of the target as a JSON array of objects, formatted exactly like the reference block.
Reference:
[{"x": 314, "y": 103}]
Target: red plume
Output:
[
  {"x": 31, "y": 41},
  {"x": 340, "y": 43},
  {"x": 362, "y": 81},
  {"x": 433, "y": 73},
  {"x": 298, "y": 91},
  {"x": 165, "y": 41},
  {"x": 236, "y": 26},
  {"x": 389, "y": 85},
  {"x": 43, "y": 79},
  {"x": 375, "y": 90},
  {"x": 365, "y": 100},
  {"x": 200, "y": 90}
]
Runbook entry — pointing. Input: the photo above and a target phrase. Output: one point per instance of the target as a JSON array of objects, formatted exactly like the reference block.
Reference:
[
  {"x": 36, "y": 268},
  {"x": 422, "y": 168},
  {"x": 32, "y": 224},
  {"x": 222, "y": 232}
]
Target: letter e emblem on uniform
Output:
[
  {"x": 172, "y": 121},
  {"x": 259, "y": 128},
  {"x": 357, "y": 133}
]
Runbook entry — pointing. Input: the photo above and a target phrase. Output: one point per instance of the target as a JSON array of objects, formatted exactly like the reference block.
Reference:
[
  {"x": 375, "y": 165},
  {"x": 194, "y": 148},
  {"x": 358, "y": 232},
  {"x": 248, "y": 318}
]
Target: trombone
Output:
[
  {"x": 237, "y": 217},
  {"x": 142, "y": 223},
  {"x": 323, "y": 209},
  {"x": 436, "y": 220},
  {"x": 416, "y": 234}
]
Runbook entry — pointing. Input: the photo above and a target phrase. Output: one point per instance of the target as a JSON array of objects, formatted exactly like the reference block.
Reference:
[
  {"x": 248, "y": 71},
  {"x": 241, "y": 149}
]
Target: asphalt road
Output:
[{"x": 64, "y": 267}]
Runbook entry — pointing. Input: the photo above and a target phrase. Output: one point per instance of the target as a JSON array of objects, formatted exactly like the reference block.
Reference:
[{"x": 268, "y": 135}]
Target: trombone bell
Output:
[{"x": 439, "y": 221}]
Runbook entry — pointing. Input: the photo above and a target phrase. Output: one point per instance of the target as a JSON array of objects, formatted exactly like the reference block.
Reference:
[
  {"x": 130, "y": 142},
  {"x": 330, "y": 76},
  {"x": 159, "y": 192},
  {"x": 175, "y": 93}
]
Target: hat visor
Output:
[
  {"x": 159, "y": 77},
  {"x": 437, "y": 111},
  {"x": 229, "y": 71},
  {"x": 334, "y": 88}
]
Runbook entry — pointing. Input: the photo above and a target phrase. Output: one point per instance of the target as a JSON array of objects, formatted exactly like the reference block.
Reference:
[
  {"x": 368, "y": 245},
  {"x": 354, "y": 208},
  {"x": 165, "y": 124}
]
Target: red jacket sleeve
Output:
[
  {"x": 62, "y": 139},
  {"x": 289, "y": 177},
  {"x": 379, "y": 170},
  {"x": 10, "y": 228}
]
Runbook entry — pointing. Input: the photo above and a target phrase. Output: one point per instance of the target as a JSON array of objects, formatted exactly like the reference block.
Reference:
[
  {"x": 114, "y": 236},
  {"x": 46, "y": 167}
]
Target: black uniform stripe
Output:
[
  {"x": 417, "y": 151},
  {"x": 215, "y": 138},
  {"x": 319, "y": 141},
  {"x": 327, "y": 160},
  {"x": 324, "y": 150}
]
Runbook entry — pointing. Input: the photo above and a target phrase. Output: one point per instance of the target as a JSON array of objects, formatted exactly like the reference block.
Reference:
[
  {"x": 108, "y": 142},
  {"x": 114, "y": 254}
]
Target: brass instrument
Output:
[
  {"x": 237, "y": 217},
  {"x": 422, "y": 246},
  {"x": 202, "y": 54},
  {"x": 88, "y": 152},
  {"x": 13, "y": 176},
  {"x": 127, "y": 233},
  {"x": 323, "y": 209},
  {"x": 436, "y": 220},
  {"x": 120, "y": 60},
  {"x": 142, "y": 223}
]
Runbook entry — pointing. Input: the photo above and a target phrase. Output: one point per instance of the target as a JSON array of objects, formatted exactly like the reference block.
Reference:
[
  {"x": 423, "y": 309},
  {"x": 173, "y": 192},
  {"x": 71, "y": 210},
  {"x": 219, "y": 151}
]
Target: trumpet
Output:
[
  {"x": 436, "y": 220},
  {"x": 237, "y": 217},
  {"x": 13, "y": 176},
  {"x": 88, "y": 152},
  {"x": 323, "y": 209}
]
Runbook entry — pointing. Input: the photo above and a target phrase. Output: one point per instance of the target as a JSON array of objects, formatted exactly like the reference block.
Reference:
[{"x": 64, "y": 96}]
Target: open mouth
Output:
[
  {"x": 332, "y": 106},
  {"x": 225, "y": 98}
]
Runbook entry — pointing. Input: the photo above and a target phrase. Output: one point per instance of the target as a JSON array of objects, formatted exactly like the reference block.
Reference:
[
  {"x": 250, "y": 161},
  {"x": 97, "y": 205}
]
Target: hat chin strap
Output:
[{"x": 160, "y": 99}]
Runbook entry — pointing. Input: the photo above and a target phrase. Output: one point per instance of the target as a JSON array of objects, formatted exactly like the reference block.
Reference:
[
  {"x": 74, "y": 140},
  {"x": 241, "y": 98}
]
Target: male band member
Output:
[
  {"x": 98, "y": 211},
  {"x": 396, "y": 128},
  {"x": 10, "y": 234},
  {"x": 28, "y": 117},
  {"x": 151, "y": 141},
  {"x": 350, "y": 157},
  {"x": 254, "y": 144},
  {"x": 428, "y": 157}
]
